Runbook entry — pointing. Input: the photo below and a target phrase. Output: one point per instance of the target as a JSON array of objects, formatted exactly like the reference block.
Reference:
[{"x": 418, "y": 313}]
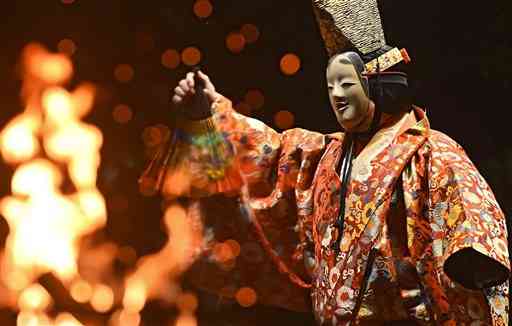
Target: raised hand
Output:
[{"x": 186, "y": 89}]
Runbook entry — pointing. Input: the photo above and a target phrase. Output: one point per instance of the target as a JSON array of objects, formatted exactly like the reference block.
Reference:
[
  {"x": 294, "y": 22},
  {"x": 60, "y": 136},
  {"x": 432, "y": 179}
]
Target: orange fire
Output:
[
  {"x": 151, "y": 279},
  {"x": 45, "y": 224},
  {"x": 48, "y": 145}
]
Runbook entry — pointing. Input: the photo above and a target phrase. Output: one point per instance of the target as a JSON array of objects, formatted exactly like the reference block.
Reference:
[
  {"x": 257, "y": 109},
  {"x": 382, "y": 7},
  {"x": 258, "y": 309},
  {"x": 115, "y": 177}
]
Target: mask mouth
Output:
[
  {"x": 341, "y": 105},
  {"x": 340, "y": 109}
]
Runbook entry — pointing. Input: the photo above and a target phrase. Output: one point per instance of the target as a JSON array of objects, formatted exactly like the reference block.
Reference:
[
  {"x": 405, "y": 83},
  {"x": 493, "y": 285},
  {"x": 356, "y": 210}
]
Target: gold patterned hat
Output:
[{"x": 356, "y": 24}]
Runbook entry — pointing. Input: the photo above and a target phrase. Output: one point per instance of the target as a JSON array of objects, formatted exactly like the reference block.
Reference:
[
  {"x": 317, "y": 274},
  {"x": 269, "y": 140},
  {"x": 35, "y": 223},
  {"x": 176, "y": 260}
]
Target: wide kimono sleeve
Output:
[
  {"x": 254, "y": 188},
  {"x": 469, "y": 227}
]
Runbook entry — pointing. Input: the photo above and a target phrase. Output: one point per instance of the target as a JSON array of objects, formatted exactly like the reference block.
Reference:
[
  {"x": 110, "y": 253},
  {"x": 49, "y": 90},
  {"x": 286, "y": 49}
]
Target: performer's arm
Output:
[
  {"x": 215, "y": 154},
  {"x": 269, "y": 175},
  {"x": 474, "y": 235}
]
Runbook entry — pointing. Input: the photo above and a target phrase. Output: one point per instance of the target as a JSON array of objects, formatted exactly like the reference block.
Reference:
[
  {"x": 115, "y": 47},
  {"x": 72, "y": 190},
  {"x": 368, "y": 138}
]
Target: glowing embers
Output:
[
  {"x": 67, "y": 46},
  {"x": 191, "y": 56},
  {"x": 122, "y": 114},
  {"x": 203, "y": 8},
  {"x": 290, "y": 64},
  {"x": 124, "y": 73},
  {"x": 284, "y": 119},
  {"x": 171, "y": 59}
]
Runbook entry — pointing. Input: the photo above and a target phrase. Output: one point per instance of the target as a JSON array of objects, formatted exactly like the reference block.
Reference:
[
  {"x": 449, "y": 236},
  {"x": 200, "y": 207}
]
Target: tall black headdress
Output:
[{"x": 356, "y": 25}]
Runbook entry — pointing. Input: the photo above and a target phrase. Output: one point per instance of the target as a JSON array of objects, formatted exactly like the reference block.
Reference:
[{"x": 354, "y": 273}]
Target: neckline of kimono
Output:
[{"x": 401, "y": 123}]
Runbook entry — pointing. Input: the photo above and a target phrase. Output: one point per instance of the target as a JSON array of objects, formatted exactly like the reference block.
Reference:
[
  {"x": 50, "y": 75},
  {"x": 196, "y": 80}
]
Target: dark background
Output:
[{"x": 462, "y": 63}]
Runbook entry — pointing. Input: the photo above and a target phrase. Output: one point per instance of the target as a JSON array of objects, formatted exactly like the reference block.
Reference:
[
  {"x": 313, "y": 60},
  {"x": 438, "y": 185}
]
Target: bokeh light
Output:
[
  {"x": 127, "y": 318},
  {"x": 235, "y": 42},
  {"x": 102, "y": 298},
  {"x": 34, "y": 298},
  {"x": 203, "y": 8},
  {"x": 152, "y": 136},
  {"x": 135, "y": 295},
  {"x": 83, "y": 99},
  {"x": 32, "y": 319},
  {"x": 18, "y": 140},
  {"x": 124, "y": 73},
  {"x": 66, "y": 319},
  {"x": 243, "y": 108},
  {"x": 56, "y": 69},
  {"x": 67, "y": 46},
  {"x": 255, "y": 99},
  {"x": 284, "y": 119},
  {"x": 246, "y": 297},
  {"x": 186, "y": 320},
  {"x": 234, "y": 245},
  {"x": 228, "y": 291},
  {"x": 290, "y": 64},
  {"x": 58, "y": 105},
  {"x": 81, "y": 291},
  {"x": 122, "y": 114},
  {"x": 222, "y": 252},
  {"x": 250, "y": 32},
  {"x": 52, "y": 68},
  {"x": 171, "y": 59},
  {"x": 67, "y": 2},
  {"x": 191, "y": 56}
]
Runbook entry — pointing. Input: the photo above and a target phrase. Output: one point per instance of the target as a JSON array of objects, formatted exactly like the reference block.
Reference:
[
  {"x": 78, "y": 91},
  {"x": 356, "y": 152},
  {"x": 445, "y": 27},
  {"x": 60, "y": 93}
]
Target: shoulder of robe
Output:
[
  {"x": 439, "y": 141},
  {"x": 304, "y": 139}
]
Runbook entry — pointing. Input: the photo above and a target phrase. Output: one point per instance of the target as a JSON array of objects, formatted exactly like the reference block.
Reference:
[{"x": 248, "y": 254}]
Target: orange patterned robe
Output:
[{"x": 424, "y": 239}]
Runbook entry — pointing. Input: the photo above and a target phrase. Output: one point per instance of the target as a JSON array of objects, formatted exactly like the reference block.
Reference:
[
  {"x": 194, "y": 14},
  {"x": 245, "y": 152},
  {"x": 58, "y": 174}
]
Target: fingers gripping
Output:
[{"x": 186, "y": 88}]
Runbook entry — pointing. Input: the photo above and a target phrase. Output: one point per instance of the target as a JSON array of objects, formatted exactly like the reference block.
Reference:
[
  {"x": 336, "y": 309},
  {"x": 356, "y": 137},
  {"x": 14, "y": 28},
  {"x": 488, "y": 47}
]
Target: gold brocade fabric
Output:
[
  {"x": 416, "y": 211},
  {"x": 349, "y": 23}
]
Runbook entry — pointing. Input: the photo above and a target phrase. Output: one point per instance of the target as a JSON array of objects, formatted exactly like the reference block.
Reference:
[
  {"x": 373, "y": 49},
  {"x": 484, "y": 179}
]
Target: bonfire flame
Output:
[
  {"x": 156, "y": 275},
  {"x": 45, "y": 224},
  {"x": 55, "y": 203}
]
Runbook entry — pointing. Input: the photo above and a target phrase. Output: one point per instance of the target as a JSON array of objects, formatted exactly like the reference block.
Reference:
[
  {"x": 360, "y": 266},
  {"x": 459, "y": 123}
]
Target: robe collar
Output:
[{"x": 375, "y": 172}]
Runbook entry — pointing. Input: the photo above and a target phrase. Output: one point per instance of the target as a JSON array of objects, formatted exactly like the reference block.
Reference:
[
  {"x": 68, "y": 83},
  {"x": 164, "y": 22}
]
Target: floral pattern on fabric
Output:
[{"x": 416, "y": 210}]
